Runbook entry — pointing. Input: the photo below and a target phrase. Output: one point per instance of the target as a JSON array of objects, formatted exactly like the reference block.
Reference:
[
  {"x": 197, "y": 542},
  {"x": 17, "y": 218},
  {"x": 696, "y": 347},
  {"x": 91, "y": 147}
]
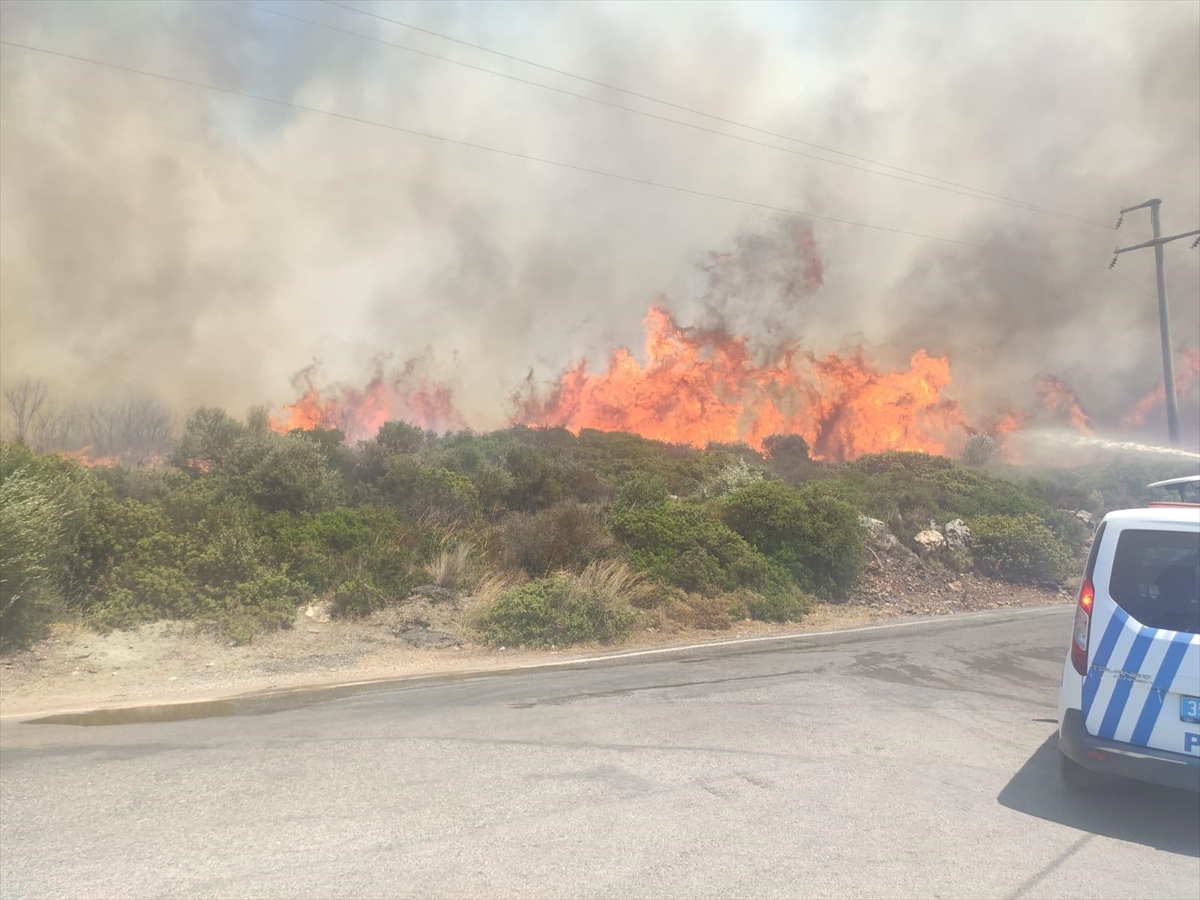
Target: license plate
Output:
[{"x": 1189, "y": 709}]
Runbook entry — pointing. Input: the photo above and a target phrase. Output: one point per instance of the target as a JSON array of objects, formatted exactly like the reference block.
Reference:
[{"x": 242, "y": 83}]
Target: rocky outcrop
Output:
[
  {"x": 878, "y": 535},
  {"x": 957, "y": 533}
]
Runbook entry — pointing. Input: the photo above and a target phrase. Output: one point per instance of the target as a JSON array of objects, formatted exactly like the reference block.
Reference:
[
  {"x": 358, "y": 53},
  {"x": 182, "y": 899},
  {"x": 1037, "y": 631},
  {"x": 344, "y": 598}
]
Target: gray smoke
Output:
[{"x": 203, "y": 247}]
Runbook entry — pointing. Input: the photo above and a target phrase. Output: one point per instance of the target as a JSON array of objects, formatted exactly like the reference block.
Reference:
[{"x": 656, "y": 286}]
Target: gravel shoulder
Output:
[{"x": 167, "y": 662}]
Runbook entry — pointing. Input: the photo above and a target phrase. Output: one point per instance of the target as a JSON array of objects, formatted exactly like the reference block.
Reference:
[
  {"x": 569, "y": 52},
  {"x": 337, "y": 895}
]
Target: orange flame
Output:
[
  {"x": 358, "y": 414},
  {"x": 84, "y": 457},
  {"x": 1185, "y": 379},
  {"x": 1062, "y": 401},
  {"x": 702, "y": 385}
]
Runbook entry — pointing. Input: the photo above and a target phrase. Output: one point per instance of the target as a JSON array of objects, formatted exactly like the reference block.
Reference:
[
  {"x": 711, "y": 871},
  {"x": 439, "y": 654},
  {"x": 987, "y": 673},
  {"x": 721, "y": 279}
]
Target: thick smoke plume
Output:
[{"x": 161, "y": 238}]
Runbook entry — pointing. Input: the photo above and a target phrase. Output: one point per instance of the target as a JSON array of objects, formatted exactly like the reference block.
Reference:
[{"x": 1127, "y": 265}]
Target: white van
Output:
[{"x": 1129, "y": 704}]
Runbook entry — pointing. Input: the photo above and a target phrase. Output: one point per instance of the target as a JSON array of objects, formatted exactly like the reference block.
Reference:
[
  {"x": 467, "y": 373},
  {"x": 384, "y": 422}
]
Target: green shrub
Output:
[
  {"x": 199, "y": 559},
  {"x": 979, "y": 449},
  {"x": 357, "y": 597},
  {"x": 369, "y": 543},
  {"x": 423, "y": 492},
  {"x": 288, "y": 473},
  {"x": 400, "y": 437},
  {"x": 788, "y": 457},
  {"x": 562, "y": 609},
  {"x": 894, "y": 462},
  {"x": 32, "y": 541},
  {"x": 208, "y": 441},
  {"x": 733, "y": 476},
  {"x": 816, "y": 538},
  {"x": 565, "y": 536},
  {"x": 682, "y": 544},
  {"x": 1019, "y": 549},
  {"x": 776, "y": 606},
  {"x": 643, "y": 489},
  {"x": 266, "y": 601}
]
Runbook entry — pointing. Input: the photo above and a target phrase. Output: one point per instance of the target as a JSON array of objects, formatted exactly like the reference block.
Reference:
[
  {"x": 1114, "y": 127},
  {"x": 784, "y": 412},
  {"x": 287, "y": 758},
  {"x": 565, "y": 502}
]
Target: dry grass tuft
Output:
[{"x": 454, "y": 567}]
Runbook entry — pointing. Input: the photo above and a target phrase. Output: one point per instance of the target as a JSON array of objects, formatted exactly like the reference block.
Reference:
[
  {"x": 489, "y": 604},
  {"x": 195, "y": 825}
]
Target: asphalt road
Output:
[{"x": 914, "y": 761}]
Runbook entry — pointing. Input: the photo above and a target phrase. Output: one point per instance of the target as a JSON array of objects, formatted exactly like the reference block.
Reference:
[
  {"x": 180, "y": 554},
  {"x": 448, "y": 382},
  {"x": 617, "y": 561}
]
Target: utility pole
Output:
[{"x": 1164, "y": 314}]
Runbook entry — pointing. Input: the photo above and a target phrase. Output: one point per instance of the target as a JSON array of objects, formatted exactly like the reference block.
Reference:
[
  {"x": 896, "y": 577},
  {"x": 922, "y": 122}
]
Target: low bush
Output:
[
  {"x": 1019, "y": 549},
  {"x": 371, "y": 543},
  {"x": 289, "y": 473},
  {"x": 32, "y": 539},
  {"x": 357, "y": 597},
  {"x": 682, "y": 544},
  {"x": 565, "y": 536},
  {"x": 816, "y": 538},
  {"x": 426, "y": 493},
  {"x": 215, "y": 571},
  {"x": 979, "y": 449},
  {"x": 564, "y": 609},
  {"x": 776, "y": 606},
  {"x": 732, "y": 476},
  {"x": 670, "y": 610}
]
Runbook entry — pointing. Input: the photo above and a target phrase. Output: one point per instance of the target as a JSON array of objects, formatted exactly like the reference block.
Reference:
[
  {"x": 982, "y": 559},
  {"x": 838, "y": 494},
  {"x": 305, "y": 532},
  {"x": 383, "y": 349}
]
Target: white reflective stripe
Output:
[
  {"x": 1137, "y": 697},
  {"x": 1116, "y": 663}
]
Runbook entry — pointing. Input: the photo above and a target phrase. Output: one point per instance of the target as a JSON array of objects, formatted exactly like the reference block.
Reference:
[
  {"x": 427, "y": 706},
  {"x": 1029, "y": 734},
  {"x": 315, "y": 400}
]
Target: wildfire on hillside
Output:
[
  {"x": 1062, "y": 402},
  {"x": 359, "y": 413},
  {"x": 1185, "y": 378},
  {"x": 694, "y": 385},
  {"x": 84, "y": 457},
  {"x": 697, "y": 386}
]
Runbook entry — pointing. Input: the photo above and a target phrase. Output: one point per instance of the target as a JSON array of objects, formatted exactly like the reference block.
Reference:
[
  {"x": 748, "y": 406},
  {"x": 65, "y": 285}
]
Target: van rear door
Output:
[{"x": 1143, "y": 681}]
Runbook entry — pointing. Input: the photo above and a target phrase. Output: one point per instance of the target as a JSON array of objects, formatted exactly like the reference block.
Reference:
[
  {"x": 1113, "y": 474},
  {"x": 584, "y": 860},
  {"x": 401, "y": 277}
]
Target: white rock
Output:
[
  {"x": 319, "y": 611},
  {"x": 958, "y": 534},
  {"x": 878, "y": 534},
  {"x": 930, "y": 540}
]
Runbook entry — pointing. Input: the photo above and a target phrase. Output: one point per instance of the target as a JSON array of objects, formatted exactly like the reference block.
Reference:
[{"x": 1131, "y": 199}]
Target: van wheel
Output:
[{"x": 1075, "y": 776}]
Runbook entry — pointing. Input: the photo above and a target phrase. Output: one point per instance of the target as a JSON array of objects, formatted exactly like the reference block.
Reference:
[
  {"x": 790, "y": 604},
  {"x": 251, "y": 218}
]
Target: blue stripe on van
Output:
[
  {"x": 1158, "y": 691},
  {"x": 1120, "y": 694},
  {"x": 1112, "y": 632}
]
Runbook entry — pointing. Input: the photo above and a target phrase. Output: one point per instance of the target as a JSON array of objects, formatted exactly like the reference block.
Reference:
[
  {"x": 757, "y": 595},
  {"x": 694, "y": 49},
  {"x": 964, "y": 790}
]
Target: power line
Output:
[
  {"x": 473, "y": 146},
  {"x": 639, "y": 112},
  {"x": 966, "y": 190}
]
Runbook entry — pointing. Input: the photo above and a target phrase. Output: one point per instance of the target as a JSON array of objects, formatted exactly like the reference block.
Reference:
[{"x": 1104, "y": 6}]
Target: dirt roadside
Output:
[{"x": 168, "y": 662}]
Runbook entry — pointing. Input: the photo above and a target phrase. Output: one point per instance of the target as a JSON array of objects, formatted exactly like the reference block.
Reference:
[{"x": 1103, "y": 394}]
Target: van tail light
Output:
[{"x": 1083, "y": 623}]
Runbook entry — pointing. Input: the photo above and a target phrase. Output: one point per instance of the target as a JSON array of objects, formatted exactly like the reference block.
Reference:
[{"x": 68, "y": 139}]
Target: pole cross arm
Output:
[
  {"x": 1158, "y": 241},
  {"x": 1153, "y": 202}
]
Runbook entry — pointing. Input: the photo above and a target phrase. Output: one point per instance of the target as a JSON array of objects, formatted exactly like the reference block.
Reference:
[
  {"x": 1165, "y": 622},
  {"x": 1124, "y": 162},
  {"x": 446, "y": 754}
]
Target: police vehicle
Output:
[{"x": 1129, "y": 704}]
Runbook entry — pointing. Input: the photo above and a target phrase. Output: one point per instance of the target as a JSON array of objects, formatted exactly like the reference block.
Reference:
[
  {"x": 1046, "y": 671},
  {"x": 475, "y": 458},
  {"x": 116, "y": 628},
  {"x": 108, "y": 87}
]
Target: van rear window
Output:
[{"x": 1156, "y": 578}]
